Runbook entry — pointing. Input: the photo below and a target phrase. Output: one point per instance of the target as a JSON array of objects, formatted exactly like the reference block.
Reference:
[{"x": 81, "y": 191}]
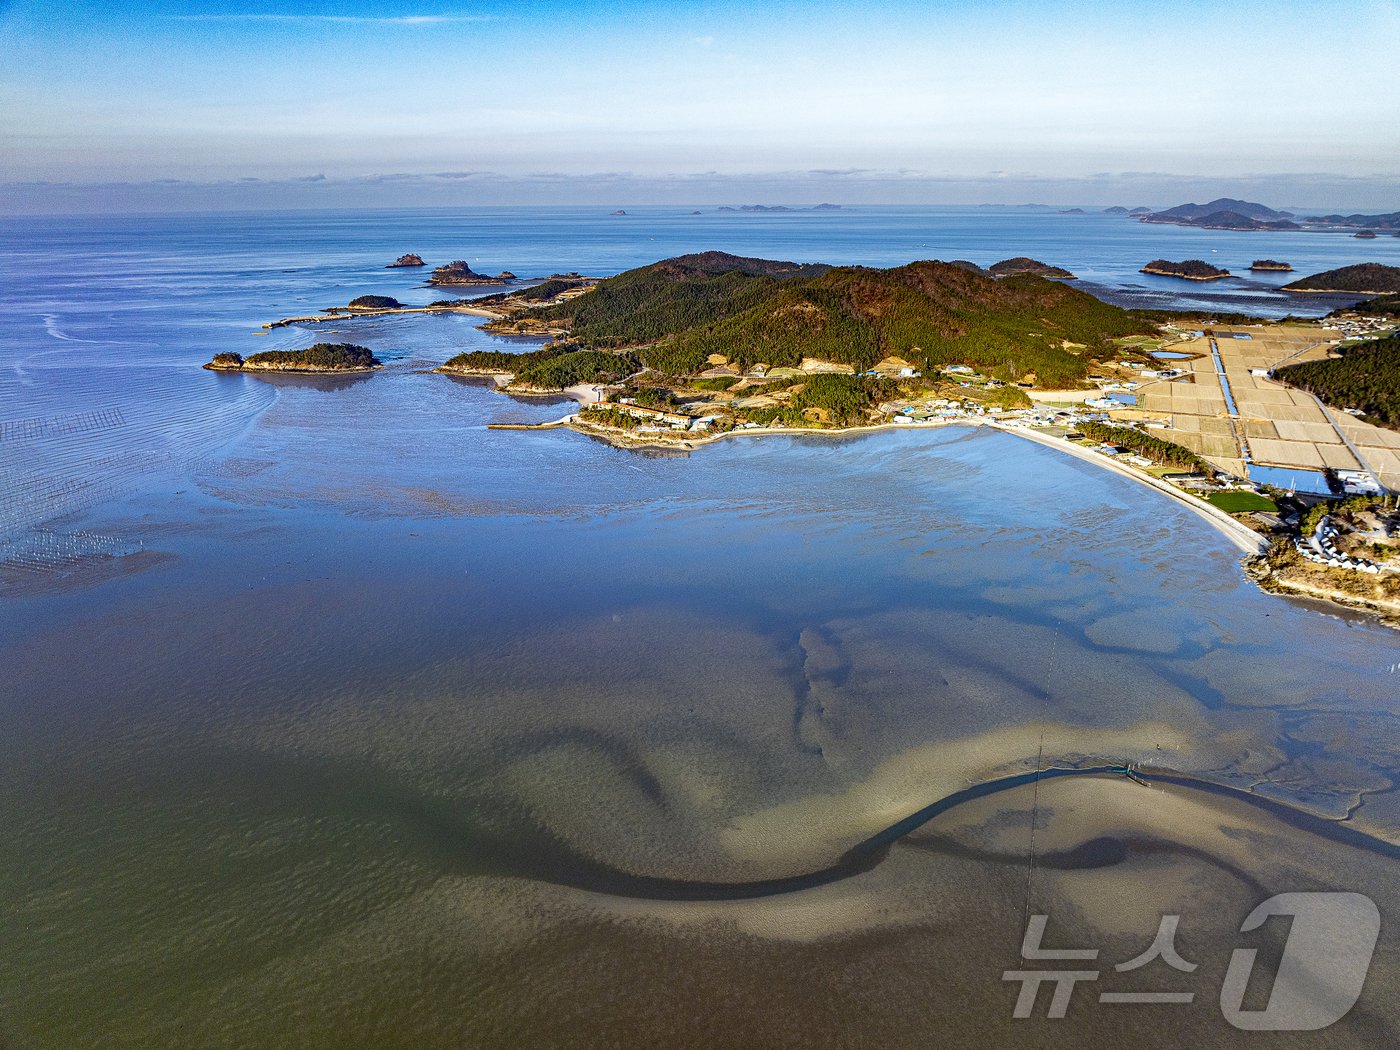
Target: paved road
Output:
[{"x": 1347, "y": 441}]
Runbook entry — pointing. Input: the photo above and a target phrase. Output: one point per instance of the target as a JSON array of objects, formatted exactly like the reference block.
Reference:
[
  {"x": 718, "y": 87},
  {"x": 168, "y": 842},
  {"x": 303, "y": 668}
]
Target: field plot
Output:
[{"x": 1283, "y": 427}]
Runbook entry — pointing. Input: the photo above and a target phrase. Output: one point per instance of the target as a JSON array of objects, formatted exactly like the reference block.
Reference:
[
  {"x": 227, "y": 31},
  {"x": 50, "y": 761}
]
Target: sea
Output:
[{"x": 330, "y": 717}]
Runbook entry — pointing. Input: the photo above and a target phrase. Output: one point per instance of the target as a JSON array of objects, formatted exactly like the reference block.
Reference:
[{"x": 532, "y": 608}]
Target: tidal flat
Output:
[{"x": 331, "y": 717}]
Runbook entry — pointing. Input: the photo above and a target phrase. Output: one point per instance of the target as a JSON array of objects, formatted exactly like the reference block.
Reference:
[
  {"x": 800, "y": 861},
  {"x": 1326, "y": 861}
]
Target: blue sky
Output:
[{"x": 963, "y": 101}]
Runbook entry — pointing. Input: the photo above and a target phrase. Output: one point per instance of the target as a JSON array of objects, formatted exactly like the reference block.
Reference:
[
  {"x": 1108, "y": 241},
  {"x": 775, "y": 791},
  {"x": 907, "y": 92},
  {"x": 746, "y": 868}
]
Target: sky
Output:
[{"x": 153, "y": 104}]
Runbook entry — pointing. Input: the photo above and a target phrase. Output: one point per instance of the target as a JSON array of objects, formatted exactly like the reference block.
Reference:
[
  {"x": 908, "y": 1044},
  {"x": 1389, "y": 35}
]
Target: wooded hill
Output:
[
  {"x": 1367, "y": 377},
  {"x": 675, "y": 313},
  {"x": 1363, "y": 278}
]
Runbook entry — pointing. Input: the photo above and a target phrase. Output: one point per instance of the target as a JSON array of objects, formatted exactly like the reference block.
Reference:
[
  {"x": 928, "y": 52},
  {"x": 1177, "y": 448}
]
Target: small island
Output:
[
  {"x": 319, "y": 359},
  {"x": 1189, "y": 270},
  {"x": 1023, "y": 264},
  {"x": 1361, "y": 279},
  {"x": 1365, "y": 235},
  {"x": 407, "y": 260},
  {"x": 372, "y": 302},
  {"x": 1270, "y": 266},
  {"x": 458, "y": 274}
]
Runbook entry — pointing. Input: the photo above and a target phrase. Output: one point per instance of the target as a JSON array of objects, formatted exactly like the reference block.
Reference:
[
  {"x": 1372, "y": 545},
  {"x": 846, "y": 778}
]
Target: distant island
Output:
[
  {"x": 1227, "y": 213},
  {"x": 1387, "y": 221},
  {"x": 320, "y": 358},
  {"x": 1224, "y": 213},
  {"x": 1270, "y": 265},
  {"x": 1190, "y": 270},
  {"x": 1361, "y": 279},
  {"x": 1022, "y": 264},
  {"x": 1365, "y": 234},
  {"x": 406, "y": 260},
  {"x": 1117, "y": 209},
  {"x": 1072, "y": 211},
  {"x": 458, "y": 273},
  {"x": 778, "y": 208}
]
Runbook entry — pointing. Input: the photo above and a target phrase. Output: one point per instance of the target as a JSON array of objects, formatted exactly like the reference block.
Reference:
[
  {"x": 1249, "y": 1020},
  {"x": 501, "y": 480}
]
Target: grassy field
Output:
[{"x": 1238, "y": 502}]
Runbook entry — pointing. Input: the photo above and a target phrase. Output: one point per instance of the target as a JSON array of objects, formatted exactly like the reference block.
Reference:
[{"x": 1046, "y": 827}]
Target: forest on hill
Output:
[
  {"x": 1366, "y": 376},
  {"x": 1363, "y": 278},
  {"x": 676, "y": 313}
]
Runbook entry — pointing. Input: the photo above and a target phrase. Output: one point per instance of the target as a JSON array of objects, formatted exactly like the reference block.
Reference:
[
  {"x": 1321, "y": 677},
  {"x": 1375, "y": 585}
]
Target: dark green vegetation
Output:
[
  {"x": 1154, "y": 448},
  {"x": 650, "y": 396},
  {"x": 1343, "y": 508},
  {"x": 580, "y": 366},
  {"x": 1367, "y": 377},
  {"x": 610, "y": 417},
  {"x": 674, "y": 314},
  {"x": 830, "y": 398},
  {"x": 1381, "y": 306},
  {"x": 1023, "y": 264},
  {"x": 542, "y": 292},
  {"x": 499, "y": 361},
  {"x": 551, "y": 367},
  {"x": 546, "y": 290},
  {"x": 1270, "y": 264},
  {"x": 1238, "y": 502},
  {"x": 1192, "y": 269},
  {"x": 320, "y": 357},
  {"x": 1363, "y": 278},
  {"x": 375, "y": 302}
]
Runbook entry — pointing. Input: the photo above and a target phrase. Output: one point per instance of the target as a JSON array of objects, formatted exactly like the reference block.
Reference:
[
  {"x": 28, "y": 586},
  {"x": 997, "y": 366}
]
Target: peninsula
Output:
[
  {"x": 1190, "y": 270},
  {"x": 318, "y": 358},
  {"x": 694, "y": 349}
]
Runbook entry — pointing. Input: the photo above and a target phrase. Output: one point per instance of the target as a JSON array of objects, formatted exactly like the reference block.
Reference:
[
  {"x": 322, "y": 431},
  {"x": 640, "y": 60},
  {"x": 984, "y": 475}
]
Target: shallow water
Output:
[{"x": 330, "y": 717}]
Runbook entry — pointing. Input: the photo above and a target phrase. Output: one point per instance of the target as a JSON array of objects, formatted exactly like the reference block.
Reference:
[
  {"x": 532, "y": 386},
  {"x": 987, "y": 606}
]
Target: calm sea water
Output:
[{"x": 329, "y": 717}]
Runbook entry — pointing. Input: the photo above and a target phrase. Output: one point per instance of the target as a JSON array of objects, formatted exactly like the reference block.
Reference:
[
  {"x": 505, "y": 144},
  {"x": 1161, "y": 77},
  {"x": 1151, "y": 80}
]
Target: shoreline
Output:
[
  {"x": 1186, "y": 276},
  {"x": 349, "y": 315},
  {"x": 255, "y": 370},
  {"x": 1252, "y": 545},
  {"x": 1243, "y": 537},
  {"x": 1246, "y": 539}
]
